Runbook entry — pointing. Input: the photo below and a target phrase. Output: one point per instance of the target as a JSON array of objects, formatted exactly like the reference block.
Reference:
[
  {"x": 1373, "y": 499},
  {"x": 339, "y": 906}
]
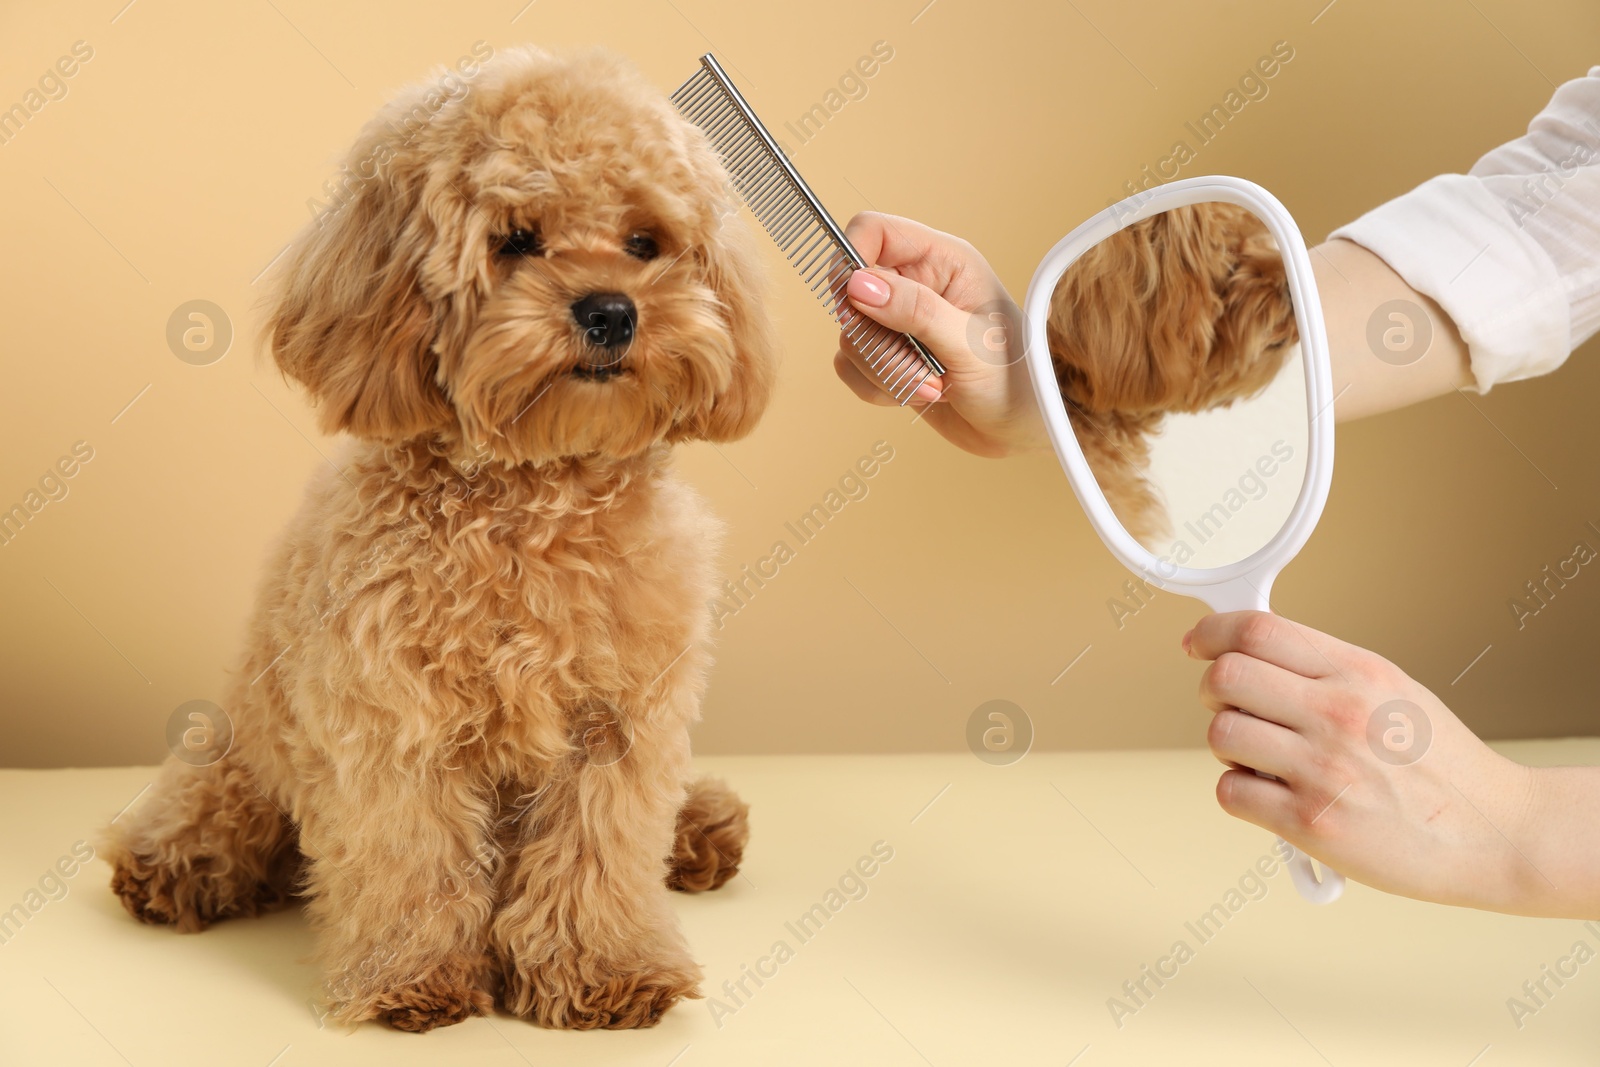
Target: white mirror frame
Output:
[{"x": 1245, "y": 584}]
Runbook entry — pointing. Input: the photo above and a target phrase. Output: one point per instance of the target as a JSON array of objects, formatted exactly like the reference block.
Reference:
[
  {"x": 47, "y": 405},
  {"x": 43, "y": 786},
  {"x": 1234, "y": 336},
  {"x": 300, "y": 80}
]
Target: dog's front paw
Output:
[
  {"x": 568, "y": 994},
  {"x": 623, "y": 1002},
  {"x": 435, "y": 1001}
]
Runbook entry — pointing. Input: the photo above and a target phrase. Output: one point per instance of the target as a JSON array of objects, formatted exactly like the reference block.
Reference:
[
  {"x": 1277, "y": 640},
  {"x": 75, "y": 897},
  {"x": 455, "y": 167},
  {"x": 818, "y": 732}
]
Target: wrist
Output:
[
  {"x": 1026, "y": 434},
  {"x": 1528, "y": 886}
]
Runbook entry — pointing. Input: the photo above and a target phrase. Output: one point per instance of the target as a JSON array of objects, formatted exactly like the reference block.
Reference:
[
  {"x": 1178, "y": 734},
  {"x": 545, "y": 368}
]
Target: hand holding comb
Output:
[{"x": 801, "y": 227}]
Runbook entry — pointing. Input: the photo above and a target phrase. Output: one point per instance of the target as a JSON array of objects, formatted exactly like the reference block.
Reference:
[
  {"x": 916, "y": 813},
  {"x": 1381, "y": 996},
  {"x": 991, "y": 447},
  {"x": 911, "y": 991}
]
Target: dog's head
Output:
[
  {"x": 539, "y": 262},
  {"x": 1184, "y": 311}
]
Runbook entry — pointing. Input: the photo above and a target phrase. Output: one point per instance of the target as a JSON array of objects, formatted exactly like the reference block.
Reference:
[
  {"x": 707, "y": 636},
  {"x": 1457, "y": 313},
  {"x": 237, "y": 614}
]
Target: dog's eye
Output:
[
  {"x": 521, "y": 242},
  {"x": 641, "y": 246}
]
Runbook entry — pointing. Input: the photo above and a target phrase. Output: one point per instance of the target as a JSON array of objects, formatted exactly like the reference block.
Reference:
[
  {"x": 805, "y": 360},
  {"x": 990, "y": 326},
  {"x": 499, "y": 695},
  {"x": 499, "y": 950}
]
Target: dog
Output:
[
  {"x": 460, "y": 720},
  {"x": 1185, "y": 311}
]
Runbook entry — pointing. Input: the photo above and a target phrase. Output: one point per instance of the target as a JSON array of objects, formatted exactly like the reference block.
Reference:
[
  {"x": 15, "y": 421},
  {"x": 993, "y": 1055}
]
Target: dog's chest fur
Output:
[{"x": 515, "y": 599}]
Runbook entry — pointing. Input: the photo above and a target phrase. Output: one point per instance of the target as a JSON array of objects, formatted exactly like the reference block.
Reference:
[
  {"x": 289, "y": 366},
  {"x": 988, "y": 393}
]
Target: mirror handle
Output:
[
  {"x": 1324, "y": 890},
  {"x": 1243, "y": 594}
]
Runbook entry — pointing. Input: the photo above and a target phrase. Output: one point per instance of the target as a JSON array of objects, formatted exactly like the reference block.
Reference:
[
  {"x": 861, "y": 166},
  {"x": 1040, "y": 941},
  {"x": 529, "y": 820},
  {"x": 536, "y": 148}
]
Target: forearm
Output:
[
  {"x": 1558, "y": 844},
  {"x": 1354, "y": 284}
]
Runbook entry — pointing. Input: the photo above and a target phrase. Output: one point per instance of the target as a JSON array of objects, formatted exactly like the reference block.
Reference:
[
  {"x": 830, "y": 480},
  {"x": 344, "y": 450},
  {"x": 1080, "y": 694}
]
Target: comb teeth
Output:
[{"x": 796, "y": 220}]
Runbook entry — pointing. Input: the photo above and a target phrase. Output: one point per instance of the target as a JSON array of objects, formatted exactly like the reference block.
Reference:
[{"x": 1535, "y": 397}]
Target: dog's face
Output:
[{"x": 542, "y": 266}]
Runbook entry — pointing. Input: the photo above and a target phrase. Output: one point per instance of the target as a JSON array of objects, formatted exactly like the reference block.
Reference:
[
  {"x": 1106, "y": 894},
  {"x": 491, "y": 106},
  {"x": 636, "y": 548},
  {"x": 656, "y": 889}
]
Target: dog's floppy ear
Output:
[
  {"x": 734, "y": 274},
  {"x": 1134, "y": 316},
  {"x": 1257, "y": 324},
  {"x": 348, "y": 316},
  {"x": 1181, "y": 312}
]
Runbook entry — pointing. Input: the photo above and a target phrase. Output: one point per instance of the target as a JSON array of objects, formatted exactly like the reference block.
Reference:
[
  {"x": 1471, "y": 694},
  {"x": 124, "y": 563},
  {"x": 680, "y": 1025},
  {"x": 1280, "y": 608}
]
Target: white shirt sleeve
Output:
[{"x": 1511, "y": 249}]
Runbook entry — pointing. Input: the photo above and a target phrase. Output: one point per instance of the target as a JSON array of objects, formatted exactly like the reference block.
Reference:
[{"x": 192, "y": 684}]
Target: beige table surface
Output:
[{"x": 1018, "y": 901}]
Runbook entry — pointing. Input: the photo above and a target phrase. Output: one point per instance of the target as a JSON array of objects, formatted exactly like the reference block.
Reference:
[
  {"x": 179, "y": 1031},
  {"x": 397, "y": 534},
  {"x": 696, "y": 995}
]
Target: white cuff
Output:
[{"x": 1451, "y": 239}]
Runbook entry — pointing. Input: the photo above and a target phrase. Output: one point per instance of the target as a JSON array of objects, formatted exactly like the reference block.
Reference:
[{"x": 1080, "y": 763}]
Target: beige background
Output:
[
  {"x": 182, "y": 158},
  {"x": 1016, "y": 904},
  {"x": 1209, "y": 458}
]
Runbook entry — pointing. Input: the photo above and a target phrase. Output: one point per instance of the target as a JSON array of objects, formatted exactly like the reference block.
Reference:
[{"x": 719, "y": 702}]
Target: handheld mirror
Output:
[{"x": 1177, "y": 348}]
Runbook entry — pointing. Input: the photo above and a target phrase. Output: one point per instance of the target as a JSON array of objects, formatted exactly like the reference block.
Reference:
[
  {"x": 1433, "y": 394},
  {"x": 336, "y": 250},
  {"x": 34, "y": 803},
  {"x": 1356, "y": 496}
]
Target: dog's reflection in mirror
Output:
[{"x": 1174, "y": 346}]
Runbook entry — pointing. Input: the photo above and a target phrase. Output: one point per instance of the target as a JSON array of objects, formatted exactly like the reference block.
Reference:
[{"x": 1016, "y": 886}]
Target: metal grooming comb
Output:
[{"x": 794, "y": 218}]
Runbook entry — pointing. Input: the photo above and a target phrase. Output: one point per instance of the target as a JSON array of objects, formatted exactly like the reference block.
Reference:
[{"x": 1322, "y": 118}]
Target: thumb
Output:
[{"x": 911, "y": 307}]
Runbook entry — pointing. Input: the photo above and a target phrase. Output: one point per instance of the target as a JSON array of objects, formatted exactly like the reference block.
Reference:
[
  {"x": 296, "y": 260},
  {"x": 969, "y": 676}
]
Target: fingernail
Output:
[
  {"x": 868, "y": 289},
  {"x": 927, "y": 392},
  {"x": 1186, "y": 639}
]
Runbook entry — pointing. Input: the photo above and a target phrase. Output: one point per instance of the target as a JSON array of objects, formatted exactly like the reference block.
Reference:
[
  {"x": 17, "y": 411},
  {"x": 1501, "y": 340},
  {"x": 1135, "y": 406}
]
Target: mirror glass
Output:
[{"x": 1175, "y": 348}]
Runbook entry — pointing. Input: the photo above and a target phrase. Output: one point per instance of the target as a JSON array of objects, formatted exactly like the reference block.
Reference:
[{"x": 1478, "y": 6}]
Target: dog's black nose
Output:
[{"x": 606, "y": 319}]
